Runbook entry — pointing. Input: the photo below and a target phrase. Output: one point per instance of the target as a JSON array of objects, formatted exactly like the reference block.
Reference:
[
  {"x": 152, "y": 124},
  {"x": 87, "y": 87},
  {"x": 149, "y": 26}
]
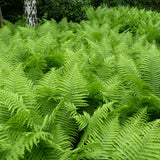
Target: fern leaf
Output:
[
  {"x": 73, "y": 87},
  {"x": 93, "y": 129},
  {"x": 16, "y": 82},
  {"x": 150, "y": 70},
  {"x": 10, "y": 104}
]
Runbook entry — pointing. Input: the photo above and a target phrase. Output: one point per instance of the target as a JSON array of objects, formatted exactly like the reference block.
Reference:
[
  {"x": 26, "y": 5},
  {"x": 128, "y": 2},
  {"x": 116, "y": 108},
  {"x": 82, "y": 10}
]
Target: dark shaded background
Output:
[{"x": 12, "y": 10}]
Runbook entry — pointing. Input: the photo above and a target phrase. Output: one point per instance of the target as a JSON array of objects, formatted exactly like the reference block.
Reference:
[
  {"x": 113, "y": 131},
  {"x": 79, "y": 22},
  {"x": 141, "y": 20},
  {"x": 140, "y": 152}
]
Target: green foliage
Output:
[
  {"x": 12, "y": 10},
  {"x": 149, "y": 4},
  {"x": 72, "y": 91},
  {"x": 73, "y": 10}
]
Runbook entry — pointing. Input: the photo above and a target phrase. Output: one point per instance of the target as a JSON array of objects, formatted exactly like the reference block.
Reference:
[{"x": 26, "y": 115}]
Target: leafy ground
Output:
[{"x": 85, "y": 91}]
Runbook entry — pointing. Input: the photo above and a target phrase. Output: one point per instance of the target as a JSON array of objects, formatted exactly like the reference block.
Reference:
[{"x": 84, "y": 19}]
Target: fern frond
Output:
[
  {"x": 150, "y": 70},
  {"x": 3, "y": 47},
  {"x": 130, "y": 69},
  {"x": 61, "y": 115},
  {"x": 26, "y": 142},
  {"x": 113, "y": 89},
  {"x": 47, "y": 93},
  {"x": 93, "y": 129},
  {"x": 44, "y": 151},
  {"x": 131, "y": 77},
  {"x": 27, "y": 31},
  {"x": 97, "y": 16},
  {"x": 48, "y": 26},
  {"x": 17, "y": 53},
  {"x": 107, "y": 69},
  {"x": 82, "y": 120},
  {"x": 89, "y": 151},
  {"x": 73, "y": 87},
  {"x": 34, "y": 67},
  {"x": 43, "y": 45},
  {"x": 16, "y": 82},
  {"x": 110, "y": 131},
  {"x": 10, "y": 103},
  {"x": 133, "y": 145},
  {"x": 5, "y": 35}
]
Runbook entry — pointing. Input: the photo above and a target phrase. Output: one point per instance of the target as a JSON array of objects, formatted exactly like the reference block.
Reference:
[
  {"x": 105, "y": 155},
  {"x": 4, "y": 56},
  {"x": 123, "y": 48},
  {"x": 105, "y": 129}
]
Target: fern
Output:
[
  {"x": 93, "y": 128},
  {"x": 5, "y": 35},
  {"x": 150, "y": 70},
  {"x": 10, "y": 104},
  {"x": 73, "y": 91},
  {"x": 134, "y": 141},
  {"x": 18, "y": 83}
]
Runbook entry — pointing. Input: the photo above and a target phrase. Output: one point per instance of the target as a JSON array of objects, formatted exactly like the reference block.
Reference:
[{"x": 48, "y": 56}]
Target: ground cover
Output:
[{"x": 72, "y": 91}]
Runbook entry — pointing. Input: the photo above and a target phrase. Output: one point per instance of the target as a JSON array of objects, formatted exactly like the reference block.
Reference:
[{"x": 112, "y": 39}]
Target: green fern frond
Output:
[
  {"x": 27, "y": 31},
  {"x": 50, "y": 80},
  {"x": 97, "y": 16},
  {"x": 150, "y": 70},
  {"x": 3, "y": 47},
  {"x": 16, "y": 82},
  {"x": 150, "y": 141},
  {"x": 103, "y": 67},
  {"x": 43, "y": 45},
  {"x": 10, "y": 103},
  {"x": 130, "y": 69},
  {"x": 62, "y": 115},
  {"x": 73, "y": 87},
  {"x": 82, "y": 120},
  {"x": 17, "y": 53},
  {"x": 5, "y": 35},
  {"x": 95, "y": 123},
  {"x": 44, "y": 151},
  {"x": 110, "y": 131},
  {"x": 47, "y": 93},
  {"x": 34, "y": 66},
  {"x": 27, "y": 118},
  {"x": 89, "y": 151},
  {"x": 128, "y": 141},
  {"x": 61, "y": 138},
  {"x": 131, "y": 77},
  {"x": 5, "y": 70},
  {"x": 133, "y": 145},
  {"x": 113, "y": 89},
  {"x": 26, "y": 142},
  {"x": 48, "y": 26}
]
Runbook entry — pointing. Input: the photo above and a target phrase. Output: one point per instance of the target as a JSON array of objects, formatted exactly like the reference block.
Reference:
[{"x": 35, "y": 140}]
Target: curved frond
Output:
[
  {"x": 16, "y": 82},
  {"x": 73, "y": 87},
  {"x": 10, "y": 103},
  {"x": 150, "y": 70}
]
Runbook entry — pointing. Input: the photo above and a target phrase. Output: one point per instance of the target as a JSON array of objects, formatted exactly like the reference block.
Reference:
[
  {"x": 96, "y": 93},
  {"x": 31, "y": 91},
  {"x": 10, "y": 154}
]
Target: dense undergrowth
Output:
[{"x": 85, "y": 91}]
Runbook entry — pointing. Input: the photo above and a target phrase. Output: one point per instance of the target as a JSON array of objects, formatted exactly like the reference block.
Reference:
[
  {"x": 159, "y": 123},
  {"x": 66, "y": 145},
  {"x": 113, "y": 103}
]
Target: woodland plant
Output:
[{"x": 87, "y": 91}]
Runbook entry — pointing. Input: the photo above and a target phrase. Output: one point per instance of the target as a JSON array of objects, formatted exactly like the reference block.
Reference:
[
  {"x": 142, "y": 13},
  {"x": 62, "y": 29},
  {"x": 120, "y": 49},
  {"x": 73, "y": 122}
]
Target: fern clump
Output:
[{"x": 91, "y": 90}]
